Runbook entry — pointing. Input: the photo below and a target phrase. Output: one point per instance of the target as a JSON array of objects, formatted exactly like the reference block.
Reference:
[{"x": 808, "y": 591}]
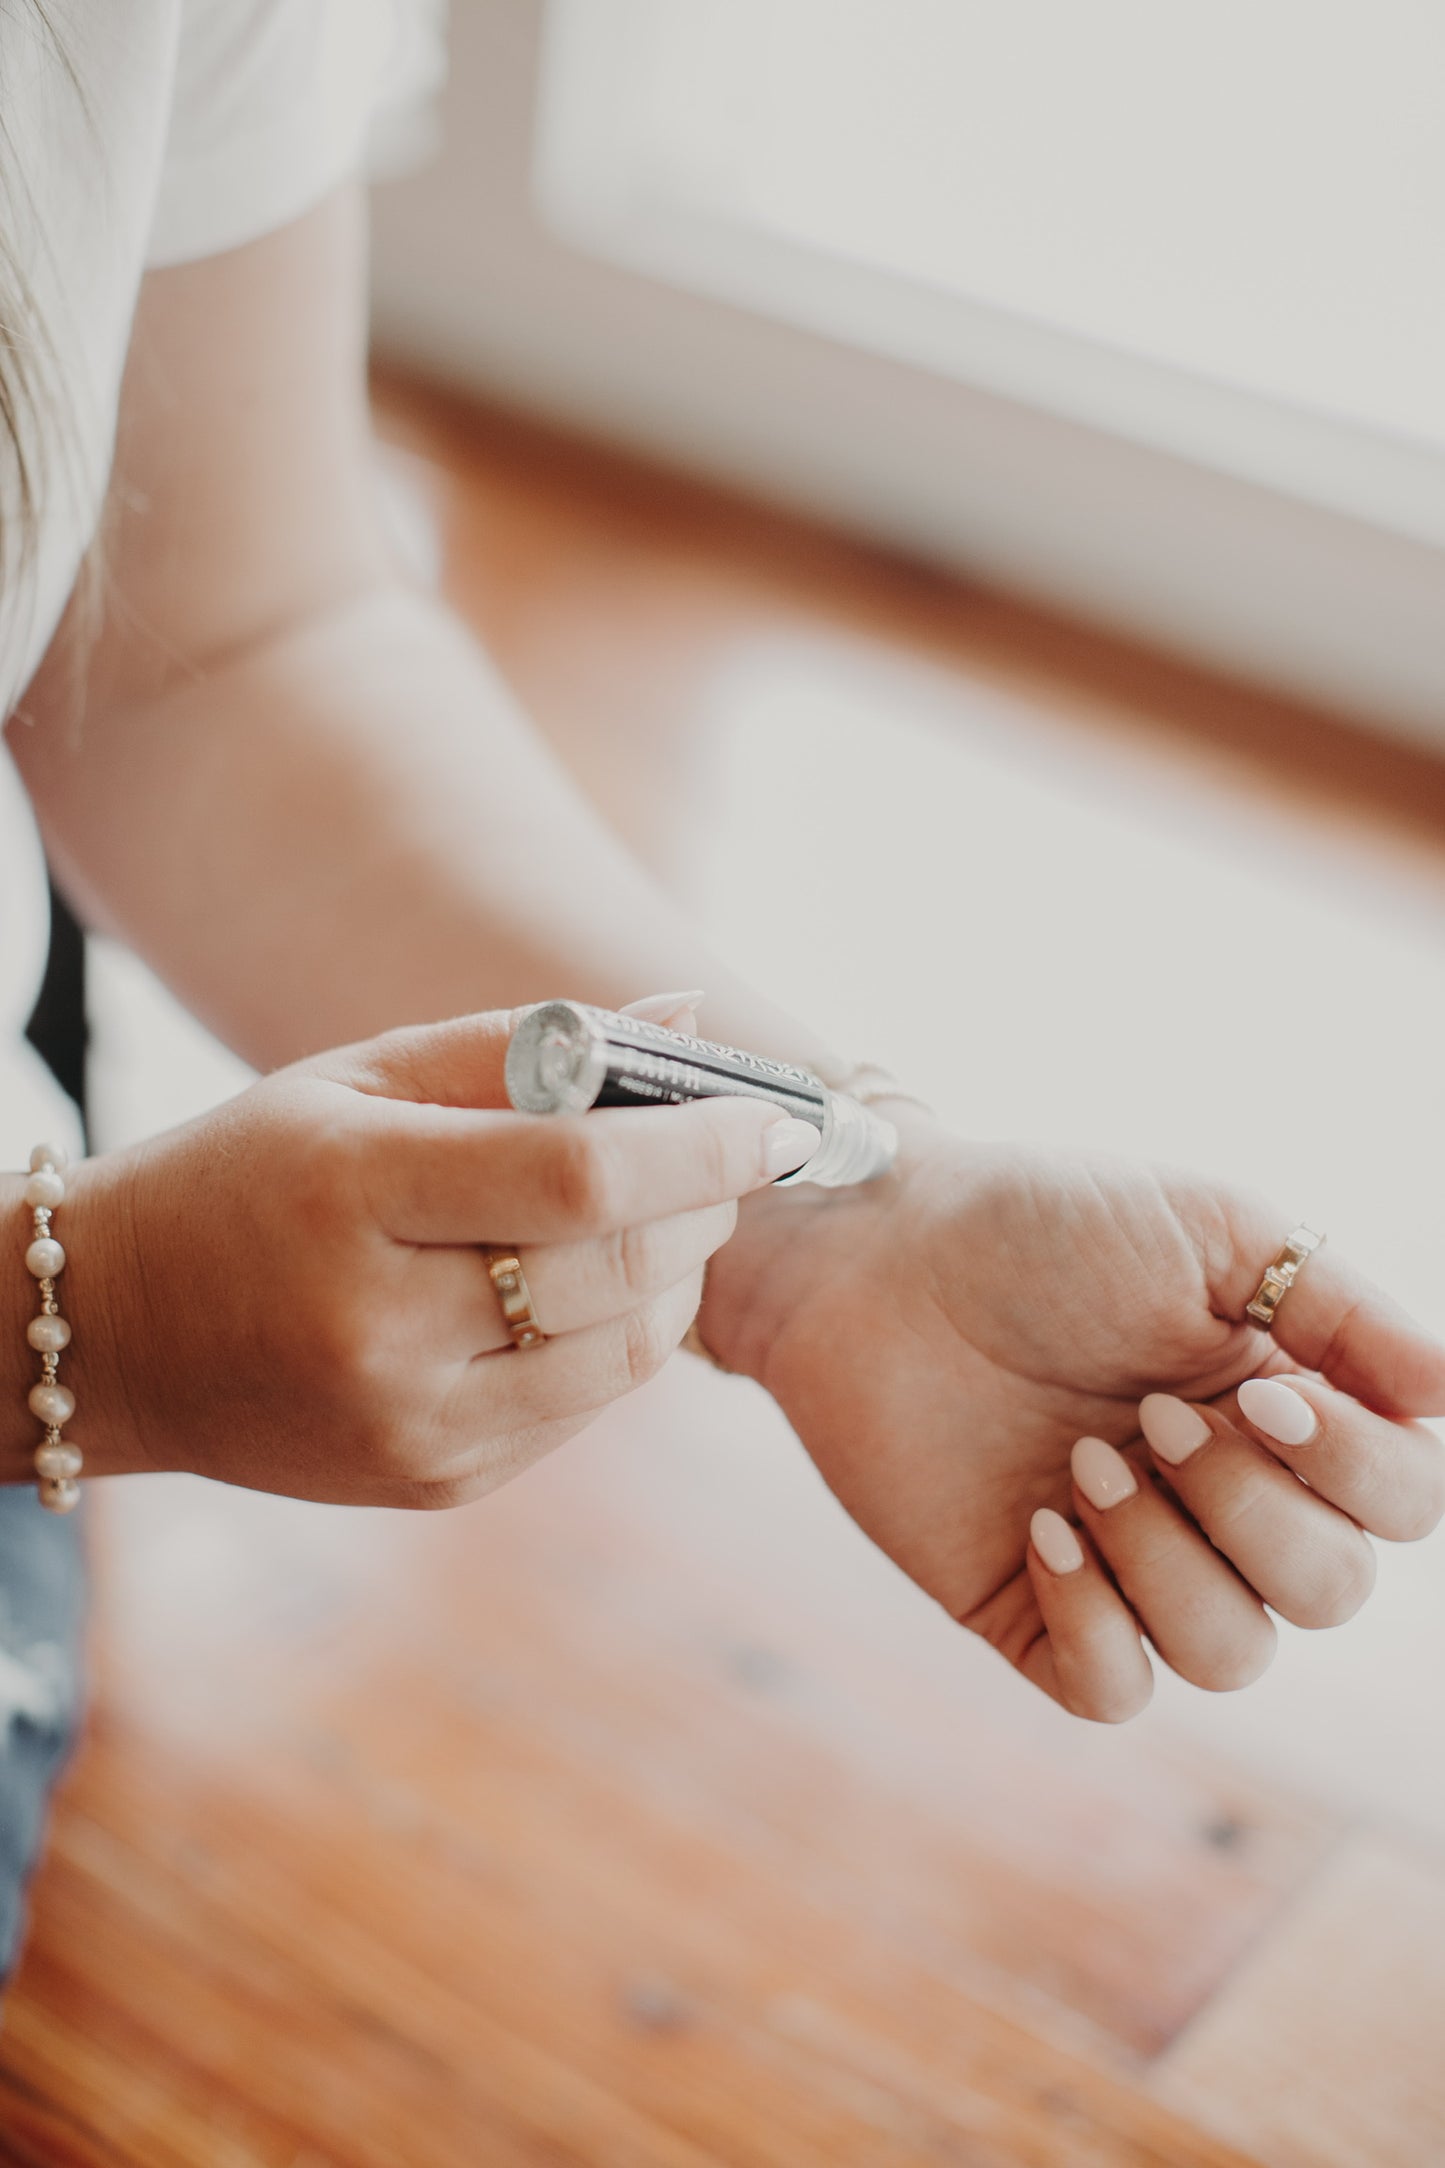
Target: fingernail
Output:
[
  {"x": 1173, "y": 1428},
  {"x": 1104, "y": 1476},
  {"x": 662, "y": 1008},
  {"x": 1055, "y": 1542},
  {"x": 1277, "y": 1410},
  {"x": 788, "y": 1144}
]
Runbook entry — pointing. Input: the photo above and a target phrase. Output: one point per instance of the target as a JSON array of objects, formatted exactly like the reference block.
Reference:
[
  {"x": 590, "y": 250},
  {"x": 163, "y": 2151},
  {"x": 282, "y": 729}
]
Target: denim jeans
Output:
[{"x": 42, "y": 1620}]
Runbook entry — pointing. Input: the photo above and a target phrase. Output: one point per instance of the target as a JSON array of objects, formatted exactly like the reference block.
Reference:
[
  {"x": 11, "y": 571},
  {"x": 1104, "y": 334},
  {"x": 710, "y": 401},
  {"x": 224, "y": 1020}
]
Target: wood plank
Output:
[
  {"x": 1327, "y": 2049},
  {"x": 675, "y": 1625},
  {"x": 580, "y": 1824},
  {"x": 233, "y": 2011}
]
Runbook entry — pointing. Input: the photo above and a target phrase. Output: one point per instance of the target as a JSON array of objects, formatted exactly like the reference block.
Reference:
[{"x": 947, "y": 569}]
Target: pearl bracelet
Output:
[{"x": 56, "y": 1463}]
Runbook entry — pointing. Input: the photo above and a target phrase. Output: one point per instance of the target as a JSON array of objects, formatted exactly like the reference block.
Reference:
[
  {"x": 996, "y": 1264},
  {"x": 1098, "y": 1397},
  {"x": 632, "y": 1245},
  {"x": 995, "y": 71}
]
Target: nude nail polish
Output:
[
  {"x": 662, "y": 1008},
  {"x": 1102, "y": 1474},
  {"x": 1173, "y": 1428},
  {"x": 1055, "y": 1542},
  {"x": 788, "y": 1144},
  {"x": 1277, "y": 1410}
]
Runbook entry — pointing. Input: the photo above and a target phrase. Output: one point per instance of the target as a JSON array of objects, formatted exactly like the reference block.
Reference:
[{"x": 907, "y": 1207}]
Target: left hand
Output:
[{"x": 942, "y": 1339}]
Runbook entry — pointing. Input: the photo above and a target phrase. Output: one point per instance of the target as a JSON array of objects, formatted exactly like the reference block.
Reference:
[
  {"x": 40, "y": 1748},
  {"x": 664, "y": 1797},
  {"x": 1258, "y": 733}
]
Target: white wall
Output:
[{"x": 470, "y": 286}]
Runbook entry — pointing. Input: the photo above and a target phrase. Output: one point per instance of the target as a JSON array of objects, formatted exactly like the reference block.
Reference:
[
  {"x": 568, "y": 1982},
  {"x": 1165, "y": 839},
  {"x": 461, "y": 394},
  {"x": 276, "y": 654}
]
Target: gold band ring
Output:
[
  {"x": 1280, "y": 1276},
  {"x": 504, "y": 1269}
]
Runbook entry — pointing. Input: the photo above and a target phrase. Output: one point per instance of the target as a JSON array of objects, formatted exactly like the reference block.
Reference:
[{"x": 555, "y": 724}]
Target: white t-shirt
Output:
[{"x": 203, "y": 123}]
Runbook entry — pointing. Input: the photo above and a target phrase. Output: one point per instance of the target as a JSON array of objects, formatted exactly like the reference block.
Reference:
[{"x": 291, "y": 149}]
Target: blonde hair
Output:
[{"x": 35, "y": 439}]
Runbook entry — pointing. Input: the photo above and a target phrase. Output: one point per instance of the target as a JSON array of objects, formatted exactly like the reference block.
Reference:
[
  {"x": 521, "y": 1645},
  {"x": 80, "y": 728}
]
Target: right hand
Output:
[{"x": 288, "y": 1294}]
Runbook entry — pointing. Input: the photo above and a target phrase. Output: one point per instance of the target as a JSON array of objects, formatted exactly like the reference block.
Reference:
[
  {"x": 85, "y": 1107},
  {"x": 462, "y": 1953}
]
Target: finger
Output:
[
  {"x": 1206, "y": 1623},
  {"x": 1091, "y": 1657},
  {"x": 1390, "y": 1477},
  {"x": 574, "y": 1285},
  {"x": 578, "y": 1372},
  {"x": 1305, "y": 1558},
  {"x": 458, "y": 1063},
  {"x": 1332, "y": 1319},
  {"x": 678, "y": 1012},
  {"x": 447, "y": 1174},
  {"x": 461, "y": 1062}
]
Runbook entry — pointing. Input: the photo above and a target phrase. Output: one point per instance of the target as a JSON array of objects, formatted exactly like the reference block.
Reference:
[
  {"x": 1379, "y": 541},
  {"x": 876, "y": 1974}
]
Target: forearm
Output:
[{"x": 350, "y": 826}]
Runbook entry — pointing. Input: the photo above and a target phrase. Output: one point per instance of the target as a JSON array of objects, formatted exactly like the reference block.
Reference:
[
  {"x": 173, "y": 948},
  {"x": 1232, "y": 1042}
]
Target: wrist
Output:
[{"x": 786, "y": 1243}]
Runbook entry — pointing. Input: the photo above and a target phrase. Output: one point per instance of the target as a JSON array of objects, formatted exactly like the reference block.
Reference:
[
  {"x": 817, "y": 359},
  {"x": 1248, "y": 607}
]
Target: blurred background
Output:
[
  {"x": 964, "y": 489},
  {"x": 1135, "y": 309}
]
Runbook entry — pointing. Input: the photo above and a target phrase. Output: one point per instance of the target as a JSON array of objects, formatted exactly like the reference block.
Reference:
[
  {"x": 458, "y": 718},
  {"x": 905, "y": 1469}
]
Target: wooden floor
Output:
[{"x": 642, "y": 1816}]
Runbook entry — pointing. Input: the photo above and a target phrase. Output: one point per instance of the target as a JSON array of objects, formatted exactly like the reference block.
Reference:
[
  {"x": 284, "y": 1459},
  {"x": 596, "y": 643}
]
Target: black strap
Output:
[{"x": 59, "y": 1029}]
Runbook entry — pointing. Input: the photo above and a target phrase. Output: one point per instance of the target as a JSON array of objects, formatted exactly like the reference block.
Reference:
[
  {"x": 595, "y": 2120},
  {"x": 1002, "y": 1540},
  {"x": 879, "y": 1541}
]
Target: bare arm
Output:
[{"x": 297, "y": 787}]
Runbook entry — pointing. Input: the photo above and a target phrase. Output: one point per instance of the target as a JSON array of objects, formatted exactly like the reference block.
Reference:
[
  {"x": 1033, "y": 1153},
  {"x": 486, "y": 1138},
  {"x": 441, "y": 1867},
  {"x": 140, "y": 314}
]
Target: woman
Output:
[{"x": 293, "y": 783}]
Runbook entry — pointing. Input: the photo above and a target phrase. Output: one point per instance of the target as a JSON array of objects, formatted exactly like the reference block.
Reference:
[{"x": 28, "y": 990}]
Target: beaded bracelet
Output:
[{"x": 56, "y": 1463}]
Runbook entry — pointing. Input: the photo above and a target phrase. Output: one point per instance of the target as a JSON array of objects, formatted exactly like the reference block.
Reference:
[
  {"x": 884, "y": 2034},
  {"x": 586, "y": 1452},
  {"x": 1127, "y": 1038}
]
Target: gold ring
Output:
[
  {"x": 1280, "y": 1276},
  {"x": 504, "y": 1269}
]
